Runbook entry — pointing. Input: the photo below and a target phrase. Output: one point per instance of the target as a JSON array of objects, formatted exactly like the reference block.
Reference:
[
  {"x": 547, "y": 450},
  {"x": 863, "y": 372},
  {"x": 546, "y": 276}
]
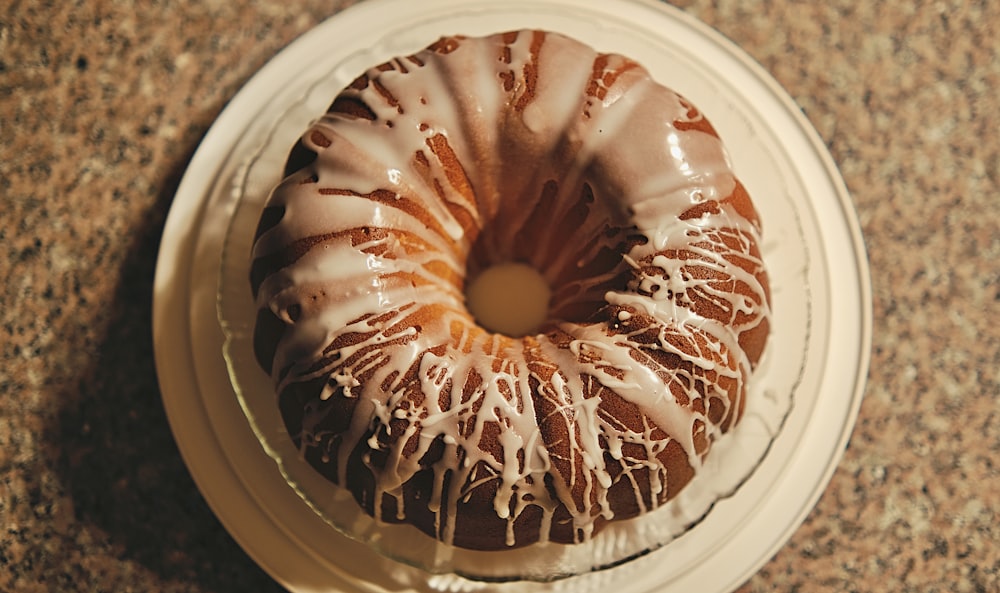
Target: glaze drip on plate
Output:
[{"x": 524, "y": 147}]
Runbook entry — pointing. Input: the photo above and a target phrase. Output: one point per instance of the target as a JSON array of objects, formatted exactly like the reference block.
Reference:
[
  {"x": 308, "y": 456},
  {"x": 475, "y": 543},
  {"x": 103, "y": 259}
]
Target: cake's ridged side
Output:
[{"x": 524, "y": 146}]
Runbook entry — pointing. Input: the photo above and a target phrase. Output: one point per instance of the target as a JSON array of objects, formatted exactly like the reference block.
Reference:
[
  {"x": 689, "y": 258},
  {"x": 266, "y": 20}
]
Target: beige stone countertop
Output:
[{"x": 103, "y": 103}]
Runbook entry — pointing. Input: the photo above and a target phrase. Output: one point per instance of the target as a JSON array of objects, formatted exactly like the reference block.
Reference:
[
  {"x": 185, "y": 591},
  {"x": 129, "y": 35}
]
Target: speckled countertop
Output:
[{"x": 102, "y": 104}]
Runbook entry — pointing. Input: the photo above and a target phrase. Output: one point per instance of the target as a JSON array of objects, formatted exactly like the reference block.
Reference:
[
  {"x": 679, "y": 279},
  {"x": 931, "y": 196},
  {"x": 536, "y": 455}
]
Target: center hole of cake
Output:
[{"x": 510, "y": 299}]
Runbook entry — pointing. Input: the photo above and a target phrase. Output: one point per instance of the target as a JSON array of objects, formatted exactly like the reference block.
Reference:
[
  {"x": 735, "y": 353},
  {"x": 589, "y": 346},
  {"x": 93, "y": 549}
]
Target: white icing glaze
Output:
[{"x": 589, "y": 158}]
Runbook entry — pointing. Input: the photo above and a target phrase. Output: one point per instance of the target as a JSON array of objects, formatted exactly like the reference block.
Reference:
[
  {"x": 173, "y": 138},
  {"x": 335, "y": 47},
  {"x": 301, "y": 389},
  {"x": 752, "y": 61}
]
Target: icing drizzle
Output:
[{"x": 525, "y": 146}]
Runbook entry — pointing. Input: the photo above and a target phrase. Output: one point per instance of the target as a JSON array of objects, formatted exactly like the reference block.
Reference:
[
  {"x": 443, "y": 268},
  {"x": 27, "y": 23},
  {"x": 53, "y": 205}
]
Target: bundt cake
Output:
[{"x": 529, "y": 148}]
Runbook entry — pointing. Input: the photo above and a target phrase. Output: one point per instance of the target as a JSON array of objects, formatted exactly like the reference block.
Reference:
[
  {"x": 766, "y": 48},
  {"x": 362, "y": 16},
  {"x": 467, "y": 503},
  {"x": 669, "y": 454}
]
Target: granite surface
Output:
[{"x": 102, "y": 104}]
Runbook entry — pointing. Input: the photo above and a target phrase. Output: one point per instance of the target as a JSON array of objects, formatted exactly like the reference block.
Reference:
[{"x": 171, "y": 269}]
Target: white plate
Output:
[{"x": 776, "y": 153}]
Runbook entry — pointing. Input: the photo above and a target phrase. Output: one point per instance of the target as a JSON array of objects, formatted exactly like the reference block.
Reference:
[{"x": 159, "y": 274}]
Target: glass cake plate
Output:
[{"x": 761, "y": 480}]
